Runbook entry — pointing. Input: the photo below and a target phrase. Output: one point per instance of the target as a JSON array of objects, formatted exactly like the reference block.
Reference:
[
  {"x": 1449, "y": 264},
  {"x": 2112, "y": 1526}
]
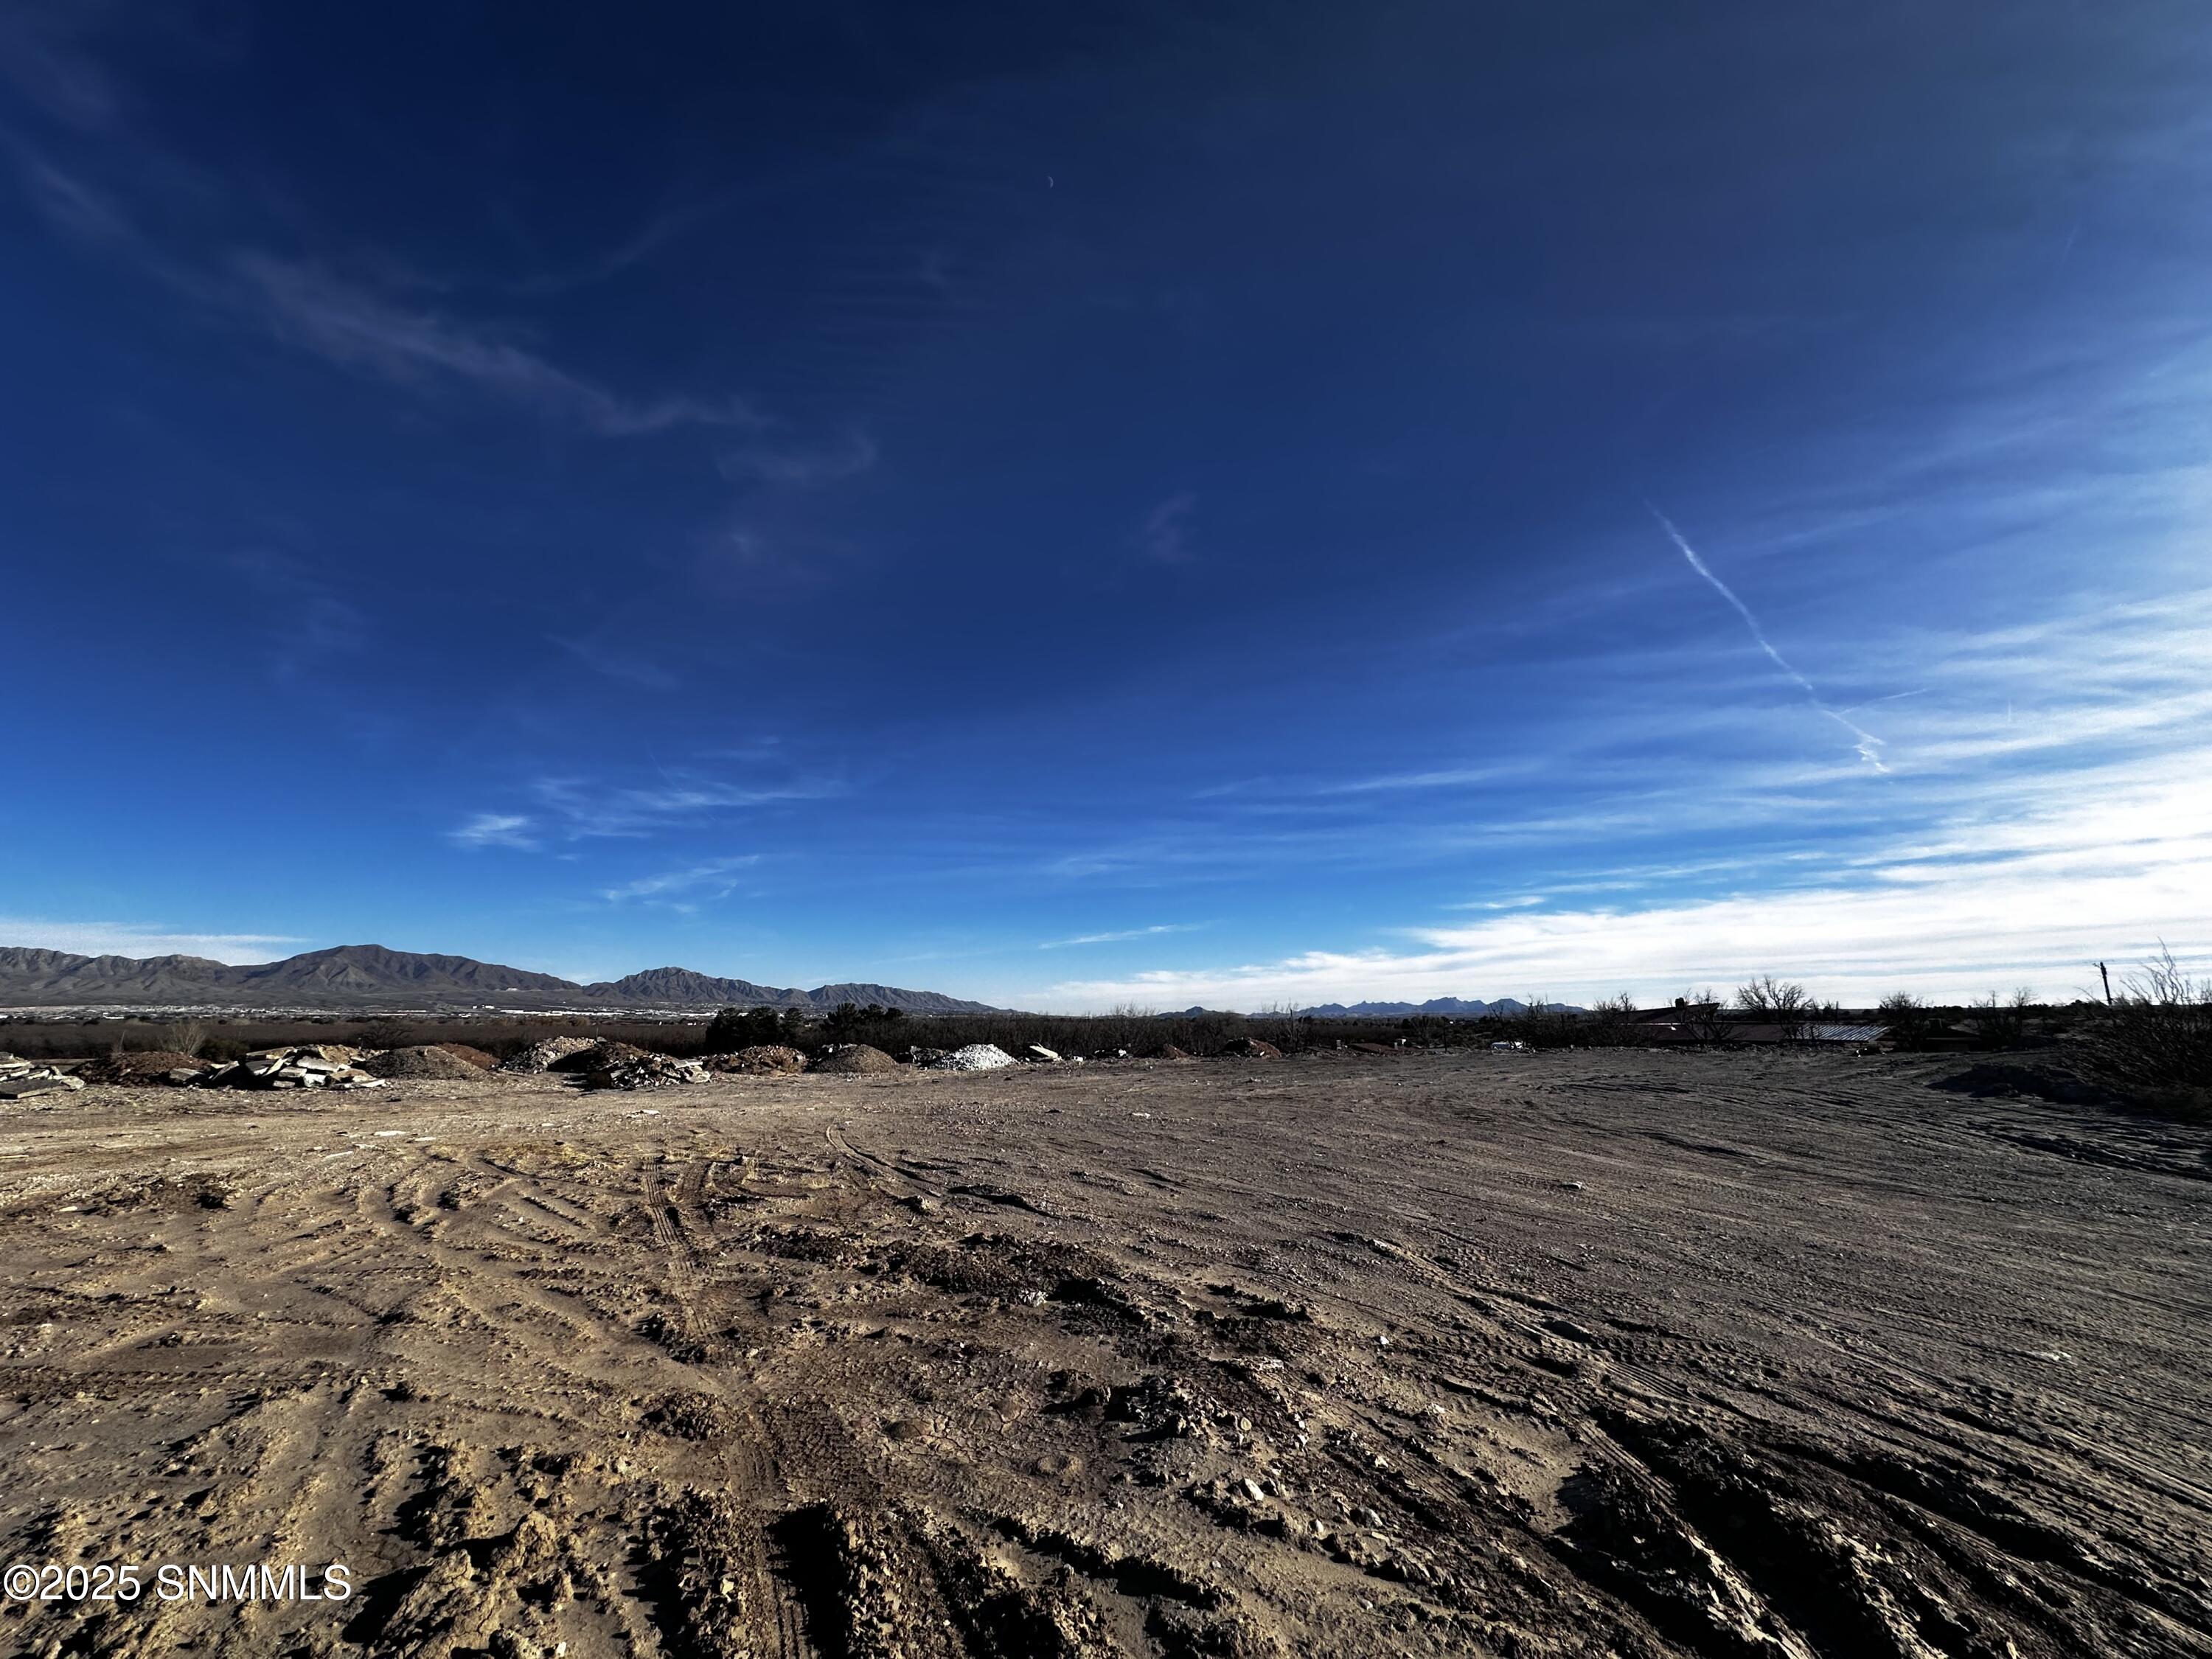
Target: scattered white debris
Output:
[
  {"x": 647, "y": 1072},
  {"x": 305, "y": 1067},
  {"x": 19, "y": 1077},
  {"x": 976, "y": 1057}
]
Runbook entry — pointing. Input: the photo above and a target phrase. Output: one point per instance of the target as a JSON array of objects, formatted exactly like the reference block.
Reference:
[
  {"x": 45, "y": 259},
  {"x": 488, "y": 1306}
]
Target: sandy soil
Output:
[{"x": 1594, "y": 1353}]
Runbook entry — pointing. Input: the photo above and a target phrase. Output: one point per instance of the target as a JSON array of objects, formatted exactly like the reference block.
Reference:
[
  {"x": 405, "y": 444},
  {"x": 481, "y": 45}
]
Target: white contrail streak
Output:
[{"x": 1868, "y": 745}]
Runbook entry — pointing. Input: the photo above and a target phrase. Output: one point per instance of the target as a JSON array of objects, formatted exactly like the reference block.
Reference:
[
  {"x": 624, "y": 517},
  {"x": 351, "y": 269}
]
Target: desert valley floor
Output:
[{"x": 1603, "y": 1352}]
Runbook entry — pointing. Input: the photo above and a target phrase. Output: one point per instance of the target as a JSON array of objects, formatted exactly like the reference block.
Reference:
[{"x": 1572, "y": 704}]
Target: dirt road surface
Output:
[{"x": 1753, "y": 1356}]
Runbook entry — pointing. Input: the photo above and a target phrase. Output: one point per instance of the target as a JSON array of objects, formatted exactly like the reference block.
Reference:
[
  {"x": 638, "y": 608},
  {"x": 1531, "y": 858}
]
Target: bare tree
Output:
[
  {"x": 1613, "y": 1019},
  {"x": 1786, "y": 1003},
  {"x": 2001, "y": 1022},
  {"x": 1705, "y": 1015},
  {"x": 1910, "y": 1021}
]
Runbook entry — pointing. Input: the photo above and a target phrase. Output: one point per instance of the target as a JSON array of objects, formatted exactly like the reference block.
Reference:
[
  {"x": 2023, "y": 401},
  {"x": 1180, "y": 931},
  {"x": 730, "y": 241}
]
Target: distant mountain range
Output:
[
  {"x": 369, "y": 976},
  {"x": 1452, "y": 1005}
]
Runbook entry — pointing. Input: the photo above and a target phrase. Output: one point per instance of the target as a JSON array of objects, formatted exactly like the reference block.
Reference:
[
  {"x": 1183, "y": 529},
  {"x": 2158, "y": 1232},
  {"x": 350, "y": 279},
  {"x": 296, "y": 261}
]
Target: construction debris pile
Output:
[
  {"x": 544, "y": 1056},
  {"x": 643, "y": 1070},
  {"x": 20, "y": 1077},
  {"x": 311, "y": 1066},
  {"x": 976, "y": 1057}
]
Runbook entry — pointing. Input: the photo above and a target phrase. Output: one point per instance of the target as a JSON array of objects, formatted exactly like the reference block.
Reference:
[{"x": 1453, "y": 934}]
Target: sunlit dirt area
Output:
[{"x": 1605, "y": 1352}]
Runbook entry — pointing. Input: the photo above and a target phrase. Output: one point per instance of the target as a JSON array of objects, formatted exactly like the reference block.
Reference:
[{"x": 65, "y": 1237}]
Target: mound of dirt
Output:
[
  {"x": 1169, "y": 1051},
  {"x": 476, "y": 1057},
  {"x": 1252, "y": 1049},
  {"x": 763, "y": 1060},
  {"x": 976, "y": 1057},
  {"x": 543, "y": 1056},
  {"x": 1989, "y": 1080},
  {"x": 854, "y": 1058},
  {"x": 152, "y": 1067},
  {"x": 429, "y": 1063}
]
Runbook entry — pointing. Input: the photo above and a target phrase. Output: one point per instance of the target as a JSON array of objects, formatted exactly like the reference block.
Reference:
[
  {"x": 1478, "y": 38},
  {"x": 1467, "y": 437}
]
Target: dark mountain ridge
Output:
[{"x": 363, "y": 976}]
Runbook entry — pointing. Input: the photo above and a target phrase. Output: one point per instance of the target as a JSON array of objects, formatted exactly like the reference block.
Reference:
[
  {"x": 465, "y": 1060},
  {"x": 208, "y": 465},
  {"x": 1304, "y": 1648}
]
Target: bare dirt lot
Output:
[{"x": 1546, "y": 1354}]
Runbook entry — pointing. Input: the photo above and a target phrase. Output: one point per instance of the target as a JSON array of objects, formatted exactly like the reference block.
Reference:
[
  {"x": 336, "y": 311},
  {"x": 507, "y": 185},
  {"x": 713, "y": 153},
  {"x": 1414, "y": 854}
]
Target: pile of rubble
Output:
[
  {"x": 1251, "y": 1048},
  {"x": 599, "y": 1056},
  {"x": 641, "y": 1070},
  {"x": 20, "y": 1077},
  {"x": 976, "y": 1057},
  {"x": 544, "y": 1056},
  {"x": 311, "y": 1066},
  {"x": 764, "y": 1059}
]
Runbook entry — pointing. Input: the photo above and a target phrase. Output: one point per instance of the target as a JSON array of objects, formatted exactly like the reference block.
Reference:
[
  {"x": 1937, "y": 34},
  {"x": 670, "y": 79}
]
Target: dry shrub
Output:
[{"x": 2153, "y": 1042}]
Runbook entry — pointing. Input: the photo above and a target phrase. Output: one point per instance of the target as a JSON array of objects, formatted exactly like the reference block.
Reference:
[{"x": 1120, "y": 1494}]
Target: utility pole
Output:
[{"x": 2105, "y": 974}]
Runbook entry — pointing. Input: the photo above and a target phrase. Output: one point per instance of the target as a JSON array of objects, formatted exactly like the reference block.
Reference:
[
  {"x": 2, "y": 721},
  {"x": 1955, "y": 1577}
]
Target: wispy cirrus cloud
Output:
[
  {"x": 1164, "y": 536},
  {"x": 312, "y": 620},
  {"x": 583, "y": 808},
  {"x": 354, "y": 328},
  {"x": 1125, "y": 933},
  {"x": 804, "y": 465},
  {"x": 1455, "y": 777},
  {"x": 514, "y": 830},
  {"x": 616, "y": 665},
  {"x": 41, "y": 53},
  {"x": 357, "y": 327},
  {"x": 569, "y": 809},
  {"x": 697, "y": 883}
]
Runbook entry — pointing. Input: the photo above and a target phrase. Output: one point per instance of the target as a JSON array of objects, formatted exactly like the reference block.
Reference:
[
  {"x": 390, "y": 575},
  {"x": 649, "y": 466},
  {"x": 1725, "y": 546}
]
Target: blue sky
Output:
[{"x": 1113, "y": 504}]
